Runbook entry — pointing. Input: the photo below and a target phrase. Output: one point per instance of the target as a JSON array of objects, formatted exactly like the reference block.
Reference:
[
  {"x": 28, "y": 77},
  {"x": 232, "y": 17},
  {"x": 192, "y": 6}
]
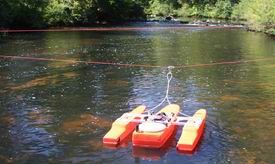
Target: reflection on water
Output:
[
  {"x": 85, "y": 123},
  {"x": 59, "y": 112},
  {"x": 41, "y": 81}
]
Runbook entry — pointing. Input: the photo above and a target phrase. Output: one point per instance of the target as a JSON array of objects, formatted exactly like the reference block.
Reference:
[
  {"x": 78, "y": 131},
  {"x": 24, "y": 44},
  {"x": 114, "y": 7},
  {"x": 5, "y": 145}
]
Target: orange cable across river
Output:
[{"x": 39, "y": 59}]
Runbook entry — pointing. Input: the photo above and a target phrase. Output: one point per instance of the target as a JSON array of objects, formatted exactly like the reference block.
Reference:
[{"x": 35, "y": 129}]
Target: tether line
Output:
[{"x": 39, "y": 59}]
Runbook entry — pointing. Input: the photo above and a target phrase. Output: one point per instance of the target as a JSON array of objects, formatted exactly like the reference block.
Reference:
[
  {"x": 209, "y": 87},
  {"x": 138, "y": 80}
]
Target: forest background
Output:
[{"x": 258, "y": 15}]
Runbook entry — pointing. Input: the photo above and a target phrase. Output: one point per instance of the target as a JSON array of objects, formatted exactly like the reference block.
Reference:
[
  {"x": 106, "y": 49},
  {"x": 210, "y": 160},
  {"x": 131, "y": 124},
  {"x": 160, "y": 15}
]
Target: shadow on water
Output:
[{"x": 55, "y": 112}]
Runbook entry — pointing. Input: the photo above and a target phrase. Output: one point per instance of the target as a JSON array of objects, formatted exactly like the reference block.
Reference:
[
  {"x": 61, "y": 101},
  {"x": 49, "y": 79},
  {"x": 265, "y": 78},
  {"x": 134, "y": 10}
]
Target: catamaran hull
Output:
[
  {"x": 153, "y": 140},
  {"x": 157, "y": 139},
  {"x": 192, "y": 132},
  {"x": 120, "y": 130}
]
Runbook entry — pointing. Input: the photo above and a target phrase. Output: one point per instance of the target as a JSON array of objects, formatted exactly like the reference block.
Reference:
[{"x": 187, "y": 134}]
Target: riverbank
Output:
[
  {"x": 206, "y": 21},
  {"x": 259, "y": 15},
  {"x": 256, "y": 15}
]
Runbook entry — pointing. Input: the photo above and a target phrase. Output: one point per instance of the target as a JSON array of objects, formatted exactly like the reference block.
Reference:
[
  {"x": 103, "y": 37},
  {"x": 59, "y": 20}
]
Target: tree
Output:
[{"x": 17, "y": 13}]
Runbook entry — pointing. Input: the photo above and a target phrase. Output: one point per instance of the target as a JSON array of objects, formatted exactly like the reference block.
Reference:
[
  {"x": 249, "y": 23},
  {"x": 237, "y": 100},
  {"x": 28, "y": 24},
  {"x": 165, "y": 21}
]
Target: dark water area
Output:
[{"x": 58, "y": 112}]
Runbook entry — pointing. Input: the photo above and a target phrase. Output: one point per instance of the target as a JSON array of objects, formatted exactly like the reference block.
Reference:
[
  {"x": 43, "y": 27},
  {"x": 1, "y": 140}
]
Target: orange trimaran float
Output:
[{"x": 152, "y": 130}]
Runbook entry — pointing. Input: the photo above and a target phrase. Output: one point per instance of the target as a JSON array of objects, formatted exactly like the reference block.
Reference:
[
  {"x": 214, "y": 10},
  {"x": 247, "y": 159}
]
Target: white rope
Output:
[{"x": 169, "y": 78}]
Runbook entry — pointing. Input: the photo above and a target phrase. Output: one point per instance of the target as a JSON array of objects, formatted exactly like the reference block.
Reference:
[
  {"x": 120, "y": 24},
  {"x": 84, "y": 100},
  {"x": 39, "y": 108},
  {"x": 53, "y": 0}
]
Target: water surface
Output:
[{"x": 58, "y": 112}]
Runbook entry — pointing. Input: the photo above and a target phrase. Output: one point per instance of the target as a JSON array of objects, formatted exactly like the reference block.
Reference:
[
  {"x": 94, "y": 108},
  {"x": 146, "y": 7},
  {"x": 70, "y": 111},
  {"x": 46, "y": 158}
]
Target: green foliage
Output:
[
  {"x": 215, "y": 9},
  {"x": 191, "y": 10},
  {"x": 271, "y": 31},
  {"x": 21, "y": 13},
  {"x": 123, "y": 10},
  {"x": 160, "y": 9},
  {"x": 223, "y": 9},
  {"x": 4, "y": 14},
  {"x": 58, "y": 12},
  {"x": 209, "y": 11},
  {"x": 38, "y": 13},
  {"x": 259, "y": 14},
  {"x": 113, "y": 10},
  {"x": 68, "y": 12}
]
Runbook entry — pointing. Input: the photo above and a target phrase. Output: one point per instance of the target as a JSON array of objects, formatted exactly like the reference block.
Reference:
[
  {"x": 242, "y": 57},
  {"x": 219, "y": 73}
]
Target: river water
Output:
[{"x": 58, "y": 112}]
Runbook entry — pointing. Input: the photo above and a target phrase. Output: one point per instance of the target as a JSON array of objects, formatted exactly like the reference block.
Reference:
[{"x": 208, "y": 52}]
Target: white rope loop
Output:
[{"x": 169, "y": 77}]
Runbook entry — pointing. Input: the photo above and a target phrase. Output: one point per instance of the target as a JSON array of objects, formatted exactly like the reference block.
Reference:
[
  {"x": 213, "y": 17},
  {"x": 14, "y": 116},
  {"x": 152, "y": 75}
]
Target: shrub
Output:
[
  {"x": 18, "y": 13},
  {"x": 223, "y": 9},
  {"x": 158, "y": 8},
  {"x": 58, "y": 13},
  {"x": 259, "y": 14}
]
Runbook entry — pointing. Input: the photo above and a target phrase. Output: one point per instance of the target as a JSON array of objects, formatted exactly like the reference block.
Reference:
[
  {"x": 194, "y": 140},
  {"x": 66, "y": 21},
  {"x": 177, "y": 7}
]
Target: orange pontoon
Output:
[
  {"x": 121, "y": 129},
  {"x": 192, "y": 131},
  {"x": 153, "y": 130}
]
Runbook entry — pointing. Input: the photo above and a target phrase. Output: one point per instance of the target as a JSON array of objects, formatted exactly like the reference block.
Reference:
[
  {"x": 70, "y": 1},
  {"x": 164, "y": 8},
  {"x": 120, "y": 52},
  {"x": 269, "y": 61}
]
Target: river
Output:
[{"x": 58, "y": 112}]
